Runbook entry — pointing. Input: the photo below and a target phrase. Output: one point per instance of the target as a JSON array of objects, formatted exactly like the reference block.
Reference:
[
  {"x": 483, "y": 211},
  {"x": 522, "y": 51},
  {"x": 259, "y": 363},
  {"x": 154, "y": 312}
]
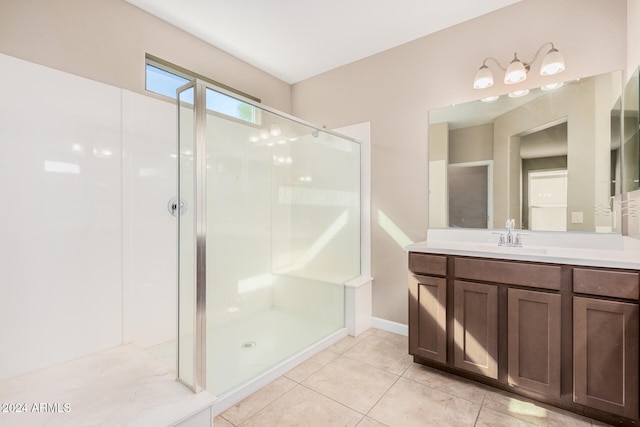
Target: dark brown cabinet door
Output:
[
  {"x": 428, "y": 317},
  {"x": 534, "y": 340},
  {"x": 475, "y": 332},
  {"x": 605, "y": 355}
]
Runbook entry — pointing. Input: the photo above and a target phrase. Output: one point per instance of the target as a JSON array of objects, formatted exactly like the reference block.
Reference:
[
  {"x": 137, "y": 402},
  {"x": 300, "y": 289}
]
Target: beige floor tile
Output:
[
  {"x": 490, "y": 418},
  {"x": 409, "y": 403},
  {"x": 532, "y": 412},
  {"x": 348, "y": 342},
  {"x": 446, "y": 382},
  {"x": 311, "y": 366},
  {"x": 389, "y": 352},
  {"x": 219, "y": 421},
  {"x": 392, "y": 336},
  {"x": 352, "y": 383},
  {"x": 303, "y": 407},
  {"x": 368, "y": 422},
  {"x": 257, "y": 401}
]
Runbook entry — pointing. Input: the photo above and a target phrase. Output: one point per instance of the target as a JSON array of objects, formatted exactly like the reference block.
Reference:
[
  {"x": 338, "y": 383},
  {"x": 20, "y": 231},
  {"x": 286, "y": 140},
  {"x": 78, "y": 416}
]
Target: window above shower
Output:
[{"x": 163, "y": 78}]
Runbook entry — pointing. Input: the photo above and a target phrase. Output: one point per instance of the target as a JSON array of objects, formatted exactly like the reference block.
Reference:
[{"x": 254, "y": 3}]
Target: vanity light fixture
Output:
[{"x": 516, "y": 71}]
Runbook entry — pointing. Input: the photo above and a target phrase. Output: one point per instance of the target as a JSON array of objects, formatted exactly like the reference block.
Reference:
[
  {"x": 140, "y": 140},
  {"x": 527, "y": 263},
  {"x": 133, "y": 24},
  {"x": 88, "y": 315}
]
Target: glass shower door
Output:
[
  {"x": 269, "y": 235},
  {"x": 283, "y": 216}
]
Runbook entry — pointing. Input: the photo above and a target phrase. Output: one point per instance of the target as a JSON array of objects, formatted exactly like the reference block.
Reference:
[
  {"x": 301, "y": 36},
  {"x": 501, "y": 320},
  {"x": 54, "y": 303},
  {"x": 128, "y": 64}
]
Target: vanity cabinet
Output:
[
  {"x": 605, "y": 341},
  {"x": 533, "y": 317},
  {"x": 428, "y": 307},
  {"x": 561, "y": 334}
]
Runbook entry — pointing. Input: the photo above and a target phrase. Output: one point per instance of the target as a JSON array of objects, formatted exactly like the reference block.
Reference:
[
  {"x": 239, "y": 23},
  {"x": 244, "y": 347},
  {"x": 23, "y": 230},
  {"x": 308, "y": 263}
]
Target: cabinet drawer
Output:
[
  {"x": 428, "y": 264},
  {"x": 512, "y": 273},
  {"x": 619, "y": 284}
]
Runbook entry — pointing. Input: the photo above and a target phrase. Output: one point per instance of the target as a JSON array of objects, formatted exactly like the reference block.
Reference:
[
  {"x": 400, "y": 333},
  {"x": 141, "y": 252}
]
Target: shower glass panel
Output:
[
  {"x": 186, "y": 235},
  {"x": 282, "y": 236}
]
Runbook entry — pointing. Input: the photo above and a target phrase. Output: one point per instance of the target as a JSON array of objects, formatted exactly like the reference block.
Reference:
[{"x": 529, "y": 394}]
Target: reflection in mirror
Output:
[
  {"x": 630, "y": 126},
  {"x": 549, "y": 159},
  {"x": 631, "y": 156}
]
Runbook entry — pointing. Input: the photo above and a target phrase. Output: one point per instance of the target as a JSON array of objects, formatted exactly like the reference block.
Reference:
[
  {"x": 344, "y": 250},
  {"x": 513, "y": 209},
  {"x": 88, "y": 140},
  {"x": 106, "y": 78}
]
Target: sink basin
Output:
[{"x": 490, "y": 247}]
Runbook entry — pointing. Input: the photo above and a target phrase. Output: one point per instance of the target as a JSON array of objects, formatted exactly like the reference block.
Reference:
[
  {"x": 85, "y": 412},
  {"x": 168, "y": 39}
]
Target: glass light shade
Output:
[
  {"x": 518, "y": 93},
  {"x": 490, "y": 98},
  {"x": 552, "y": 86},
  {"x": 484, "y": 78},
  {"x": 515, "y": 73},
  {"x": 553, "y": 63}
]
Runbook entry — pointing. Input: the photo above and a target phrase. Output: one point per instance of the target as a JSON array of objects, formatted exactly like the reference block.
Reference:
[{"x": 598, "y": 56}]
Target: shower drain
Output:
[{"x": 248, "y": 344}]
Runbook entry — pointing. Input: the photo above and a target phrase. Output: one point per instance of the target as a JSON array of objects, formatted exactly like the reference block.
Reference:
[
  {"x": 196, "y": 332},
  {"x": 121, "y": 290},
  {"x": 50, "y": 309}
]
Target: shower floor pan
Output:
[{"x": 241, "y": 350}]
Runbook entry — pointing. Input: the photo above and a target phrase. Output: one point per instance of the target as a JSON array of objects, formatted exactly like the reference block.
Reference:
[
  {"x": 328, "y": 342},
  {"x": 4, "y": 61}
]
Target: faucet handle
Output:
[{"x": 511, "y": 224}]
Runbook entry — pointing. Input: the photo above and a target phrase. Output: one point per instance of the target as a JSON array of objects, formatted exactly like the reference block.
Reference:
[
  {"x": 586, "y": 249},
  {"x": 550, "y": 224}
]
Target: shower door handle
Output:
[{"x": 172, "y": 206}]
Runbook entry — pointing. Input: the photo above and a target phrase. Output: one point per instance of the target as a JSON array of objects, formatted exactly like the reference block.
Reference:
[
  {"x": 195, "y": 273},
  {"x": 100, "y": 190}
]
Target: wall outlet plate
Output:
[{"x": 577, "y": 217}]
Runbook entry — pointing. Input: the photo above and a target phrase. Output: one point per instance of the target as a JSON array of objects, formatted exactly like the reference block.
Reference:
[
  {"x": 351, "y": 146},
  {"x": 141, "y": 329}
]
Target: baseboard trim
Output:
[{"x": 388, "y": 325}]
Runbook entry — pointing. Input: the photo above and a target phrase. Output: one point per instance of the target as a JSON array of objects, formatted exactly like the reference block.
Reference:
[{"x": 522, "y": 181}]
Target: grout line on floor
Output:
[
  {"x": 480, "y": 410},
  {"x": 264, "y": 407},
  {"x": 431, "y": 385},
  {"x": 382, "y": 397},
  {"x": 334, "y": 400}
]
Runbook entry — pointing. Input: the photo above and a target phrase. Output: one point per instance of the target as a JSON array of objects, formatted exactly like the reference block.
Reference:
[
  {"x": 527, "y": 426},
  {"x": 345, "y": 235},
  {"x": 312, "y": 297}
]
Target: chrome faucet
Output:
[{"x": 510, "y": 238}]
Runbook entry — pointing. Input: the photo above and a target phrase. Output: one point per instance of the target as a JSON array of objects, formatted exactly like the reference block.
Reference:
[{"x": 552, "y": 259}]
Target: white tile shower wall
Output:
[
  {"x": 60, "y": 257},
  {"x": 316, "y": 300},
  {"x": 238, "y": 221},
  {"x": 149, "y": 230}
]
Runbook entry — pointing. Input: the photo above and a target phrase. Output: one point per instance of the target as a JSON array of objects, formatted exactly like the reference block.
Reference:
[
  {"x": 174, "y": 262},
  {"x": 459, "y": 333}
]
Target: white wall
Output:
[
  {"x": 60, "y": 257},
  {"x": 149, "y": 231},
  {"x": 88, "y": 259}
]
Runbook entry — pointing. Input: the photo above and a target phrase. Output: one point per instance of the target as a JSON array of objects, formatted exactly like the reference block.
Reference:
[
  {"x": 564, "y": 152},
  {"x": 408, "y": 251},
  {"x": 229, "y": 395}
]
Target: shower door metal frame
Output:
[{"x": 200, "y": 246}]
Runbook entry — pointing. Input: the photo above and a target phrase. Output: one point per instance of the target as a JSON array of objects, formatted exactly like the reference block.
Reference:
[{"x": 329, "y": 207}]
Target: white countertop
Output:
[{"x": 587, "y": 250}]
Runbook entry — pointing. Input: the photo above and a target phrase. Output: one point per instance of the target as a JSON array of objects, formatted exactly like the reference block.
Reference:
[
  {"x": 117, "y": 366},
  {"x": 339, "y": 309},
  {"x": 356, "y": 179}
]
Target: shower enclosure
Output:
[{"x": 268, "y": 232}]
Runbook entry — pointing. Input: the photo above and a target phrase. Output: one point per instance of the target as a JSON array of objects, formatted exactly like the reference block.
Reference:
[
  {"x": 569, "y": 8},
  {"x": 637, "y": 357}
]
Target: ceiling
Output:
[{"x": 297, "y": 39}]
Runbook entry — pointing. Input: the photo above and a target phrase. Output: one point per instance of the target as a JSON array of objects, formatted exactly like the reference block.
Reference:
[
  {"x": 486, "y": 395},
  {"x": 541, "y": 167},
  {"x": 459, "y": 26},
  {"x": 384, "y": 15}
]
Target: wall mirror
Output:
[
  {"x": 549, "y": 158},
  {"x": 631, "y": 158},
  {"x": 630, "y": 135}
]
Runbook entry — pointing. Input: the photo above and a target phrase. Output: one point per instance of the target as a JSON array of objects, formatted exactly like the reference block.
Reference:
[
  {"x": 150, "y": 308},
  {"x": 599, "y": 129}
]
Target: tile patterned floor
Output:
[{"x": 371, "y": 381}]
